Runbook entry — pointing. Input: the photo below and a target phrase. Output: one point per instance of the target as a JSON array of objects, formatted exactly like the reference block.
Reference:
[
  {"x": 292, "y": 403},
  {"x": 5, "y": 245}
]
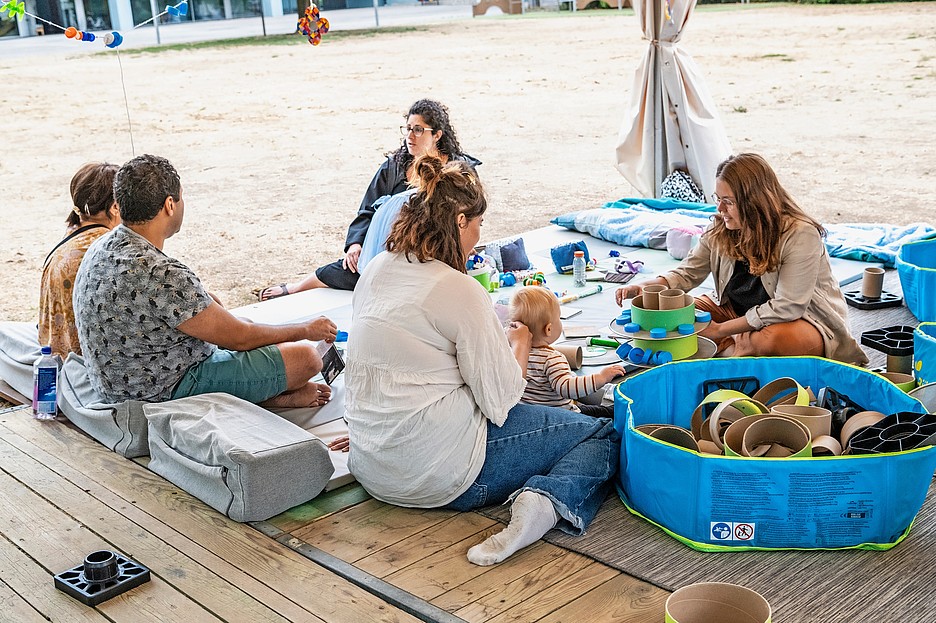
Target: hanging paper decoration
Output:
[{"x": 312, "y": 25}]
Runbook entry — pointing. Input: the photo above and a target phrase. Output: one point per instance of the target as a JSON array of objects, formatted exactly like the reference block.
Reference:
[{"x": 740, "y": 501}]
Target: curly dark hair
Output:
[
  {"x": 142, "y": 185},
  {"x": 437, "y": 116},
  {"x": 427, "y": 226}
]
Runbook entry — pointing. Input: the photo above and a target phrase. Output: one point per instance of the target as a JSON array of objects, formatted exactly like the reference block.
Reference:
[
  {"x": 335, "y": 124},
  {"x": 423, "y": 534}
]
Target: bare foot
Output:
[{"x": 309, "y": 395}]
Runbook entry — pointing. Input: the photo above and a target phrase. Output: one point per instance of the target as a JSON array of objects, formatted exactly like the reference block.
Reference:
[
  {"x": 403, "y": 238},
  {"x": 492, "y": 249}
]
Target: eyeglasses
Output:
[
  {"x": 729, "y": 203},
  {"x": 417, "y": 130}
]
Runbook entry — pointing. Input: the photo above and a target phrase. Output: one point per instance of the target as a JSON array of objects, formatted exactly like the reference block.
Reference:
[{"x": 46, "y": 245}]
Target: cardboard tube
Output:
[
  {"x": 646, "y": 429},
  {"x": 784, "y": 437},
  {"x": 716, "y": 602},
  {"x": 857, "y": 422},
  {"x": 897, "y": 363},
  {"x": 905, "y": 382},
  {"x": 872, "y": 282},
  {"x": 782, "y": 391},
  {"x": 734, "y": 436},
  {"x": 572, "y": 353},
  {"x": 651, "y": 296},
  {"x": 709, "y": 447},
  {"x": 817, "y": 419},
  {"x": 677, "y": 436},
  {"x": 730, "y": 411},
  {"x": 719, "y": 395},
  {"x": 824, "y": 445},
  {"x": 672, "y": 299}
]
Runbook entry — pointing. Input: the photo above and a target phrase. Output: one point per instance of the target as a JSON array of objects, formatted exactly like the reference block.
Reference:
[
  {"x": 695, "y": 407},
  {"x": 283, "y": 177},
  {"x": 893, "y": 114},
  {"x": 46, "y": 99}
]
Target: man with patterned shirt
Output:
[{"x": 150, "y": 331}]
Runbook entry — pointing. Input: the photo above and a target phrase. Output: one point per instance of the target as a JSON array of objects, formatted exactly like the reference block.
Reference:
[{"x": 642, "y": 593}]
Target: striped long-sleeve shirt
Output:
[{"x": 550, "y": 380}]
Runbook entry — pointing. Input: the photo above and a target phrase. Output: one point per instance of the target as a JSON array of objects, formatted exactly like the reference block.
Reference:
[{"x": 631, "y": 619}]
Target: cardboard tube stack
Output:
[
  {"x": 651, "y": 296},
  {"x": 716, "y": 602},
  {"x": 780, "y": 422}
]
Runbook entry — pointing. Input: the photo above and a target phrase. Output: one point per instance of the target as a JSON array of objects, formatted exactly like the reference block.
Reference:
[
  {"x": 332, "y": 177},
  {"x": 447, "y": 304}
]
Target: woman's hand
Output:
[
  {"x": 351, "y": 257},
  {"x": 518, "y": 334},
  {"x": 341, "y": 444},
  {"x": 521, "y": 341},
  {"x": 714, "y": 331},
  {"x": 627, "y": 292}
]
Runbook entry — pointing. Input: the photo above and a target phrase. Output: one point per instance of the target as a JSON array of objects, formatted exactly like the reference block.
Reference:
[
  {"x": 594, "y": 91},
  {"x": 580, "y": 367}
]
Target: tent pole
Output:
[{"x": 659, "y": 142}]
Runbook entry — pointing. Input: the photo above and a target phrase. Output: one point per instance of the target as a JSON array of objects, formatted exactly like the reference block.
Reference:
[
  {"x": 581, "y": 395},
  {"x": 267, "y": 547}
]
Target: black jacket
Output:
[{"x": 390, "y": 179}]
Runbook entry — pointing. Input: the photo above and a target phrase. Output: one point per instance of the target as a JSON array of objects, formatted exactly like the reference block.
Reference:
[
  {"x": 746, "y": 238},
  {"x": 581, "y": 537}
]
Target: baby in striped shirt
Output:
[{"x": 550, "y": 380}]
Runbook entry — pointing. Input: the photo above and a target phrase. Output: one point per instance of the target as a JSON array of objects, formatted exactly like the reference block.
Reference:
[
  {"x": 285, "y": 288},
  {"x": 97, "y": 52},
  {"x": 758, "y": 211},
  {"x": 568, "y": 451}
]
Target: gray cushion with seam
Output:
[
  {"x": 235, "y": 456},
  {"x": 19, "y": 349},
  {"x": 121, "y": 427}
]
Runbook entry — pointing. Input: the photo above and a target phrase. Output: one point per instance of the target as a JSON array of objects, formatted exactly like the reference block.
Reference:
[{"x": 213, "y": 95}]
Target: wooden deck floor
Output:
[{"x": 64, "y": 496}]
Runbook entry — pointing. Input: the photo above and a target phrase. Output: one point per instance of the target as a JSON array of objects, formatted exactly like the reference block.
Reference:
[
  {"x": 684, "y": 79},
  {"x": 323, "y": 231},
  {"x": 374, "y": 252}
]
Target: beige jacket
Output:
[{"x": 802, "y": 287}]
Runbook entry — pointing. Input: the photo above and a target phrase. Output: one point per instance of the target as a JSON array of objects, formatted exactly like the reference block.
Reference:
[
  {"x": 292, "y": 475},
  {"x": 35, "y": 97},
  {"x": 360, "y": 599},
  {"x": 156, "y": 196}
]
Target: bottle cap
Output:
[
  {"x": 46, "y": 350},
  {"x": 579, "y": 254}
]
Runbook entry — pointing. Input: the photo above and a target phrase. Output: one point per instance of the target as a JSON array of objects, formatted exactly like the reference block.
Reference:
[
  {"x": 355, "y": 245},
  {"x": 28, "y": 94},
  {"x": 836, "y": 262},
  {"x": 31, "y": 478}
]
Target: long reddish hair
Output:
[{"x": 765, "y": 209}]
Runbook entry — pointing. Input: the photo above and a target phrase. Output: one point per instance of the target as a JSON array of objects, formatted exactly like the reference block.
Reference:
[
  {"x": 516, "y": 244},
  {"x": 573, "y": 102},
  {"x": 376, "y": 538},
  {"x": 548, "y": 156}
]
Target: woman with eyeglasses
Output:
[
  {"x": 774, "y": 289},
  {"x": 434, "y": 385},
  {"x": 427, "y": 131}
]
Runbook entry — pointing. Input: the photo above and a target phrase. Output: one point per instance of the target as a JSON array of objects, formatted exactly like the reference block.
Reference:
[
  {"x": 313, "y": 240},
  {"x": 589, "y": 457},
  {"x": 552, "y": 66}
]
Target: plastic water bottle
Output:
[
  {"x": 45, "y": 385},
  {"x": 578, "y": 270}
]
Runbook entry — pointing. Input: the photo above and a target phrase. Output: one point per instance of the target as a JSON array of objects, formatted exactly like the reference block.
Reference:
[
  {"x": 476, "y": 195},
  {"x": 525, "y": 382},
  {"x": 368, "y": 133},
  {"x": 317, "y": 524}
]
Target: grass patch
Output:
[{"x": 274, "y": 40}]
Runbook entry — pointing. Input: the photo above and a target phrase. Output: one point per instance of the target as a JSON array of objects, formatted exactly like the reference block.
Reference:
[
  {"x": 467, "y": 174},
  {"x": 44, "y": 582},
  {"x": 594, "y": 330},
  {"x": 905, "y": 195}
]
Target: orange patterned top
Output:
[{"x": 56, "y": 316}]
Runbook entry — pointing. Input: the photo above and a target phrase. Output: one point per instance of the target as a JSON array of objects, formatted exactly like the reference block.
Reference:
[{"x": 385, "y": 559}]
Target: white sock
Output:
[{"x": 531, "y": 516}]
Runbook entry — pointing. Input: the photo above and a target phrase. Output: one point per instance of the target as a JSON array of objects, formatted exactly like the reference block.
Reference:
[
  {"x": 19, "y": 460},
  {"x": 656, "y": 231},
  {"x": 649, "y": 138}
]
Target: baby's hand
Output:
[{"x": 610, "y": 373}]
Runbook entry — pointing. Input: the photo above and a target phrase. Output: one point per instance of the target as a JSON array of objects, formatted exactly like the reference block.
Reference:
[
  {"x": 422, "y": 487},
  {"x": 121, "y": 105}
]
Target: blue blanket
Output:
[{"x": 632, "y": 222}]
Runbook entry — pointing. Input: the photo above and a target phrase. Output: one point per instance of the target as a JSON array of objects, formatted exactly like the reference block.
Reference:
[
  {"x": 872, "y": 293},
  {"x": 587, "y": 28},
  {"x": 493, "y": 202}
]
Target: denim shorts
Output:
[{"x": 252, "y": 375}]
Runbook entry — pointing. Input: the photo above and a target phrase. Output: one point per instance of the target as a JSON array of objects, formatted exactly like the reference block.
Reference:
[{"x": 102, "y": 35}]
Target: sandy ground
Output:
[{"x": 275, "y": 144}]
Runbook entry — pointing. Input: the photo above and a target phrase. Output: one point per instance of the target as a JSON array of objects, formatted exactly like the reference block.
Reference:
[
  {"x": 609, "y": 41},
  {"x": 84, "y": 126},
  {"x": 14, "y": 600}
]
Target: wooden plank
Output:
[
  {"x": 368, "y": 527},
  {"x": 323, "y": 505},
  {"x": 622, "y": 599},
  {"x": 547, "y": 566},
  {"x": 213, "y": 592},
  {"x": 276, "y": 565},
  {"x": 422, "y": 544},
  {"x": 448, "y": 568},
  {"x": 536, "y": 600},
  {"x": 33, "y": 585},
  {"x": 11, "y": 395},
  {"x": 57, "y": 542},
  {"x": 15, "y": 608},
  {"x": 182, "y": 542}
]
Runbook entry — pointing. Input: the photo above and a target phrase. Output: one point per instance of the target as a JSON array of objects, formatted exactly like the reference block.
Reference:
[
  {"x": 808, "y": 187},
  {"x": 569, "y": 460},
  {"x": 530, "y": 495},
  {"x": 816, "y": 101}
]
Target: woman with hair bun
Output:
[
  {"x": 434, "y": 384},
  {"x": 428, "y": 130},
  {"x": 775, "y": 293},
  {"x": 94, "y": 213}
]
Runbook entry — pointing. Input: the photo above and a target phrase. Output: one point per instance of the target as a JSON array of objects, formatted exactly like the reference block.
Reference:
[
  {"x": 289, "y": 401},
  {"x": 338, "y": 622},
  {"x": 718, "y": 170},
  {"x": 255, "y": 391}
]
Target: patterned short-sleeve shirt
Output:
[{"x": 129, "y": 298}]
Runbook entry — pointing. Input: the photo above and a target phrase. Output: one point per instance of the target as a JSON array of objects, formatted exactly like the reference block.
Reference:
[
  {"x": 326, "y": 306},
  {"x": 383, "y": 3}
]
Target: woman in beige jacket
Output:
[{"x": 774, "y": 289}]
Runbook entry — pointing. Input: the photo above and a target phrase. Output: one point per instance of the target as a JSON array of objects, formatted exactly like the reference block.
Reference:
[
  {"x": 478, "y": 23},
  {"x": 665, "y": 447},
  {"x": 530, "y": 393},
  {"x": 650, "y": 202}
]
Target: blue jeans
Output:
[
  {"x": 252, "y": 375},
  {"x": 566, "y": 456}
]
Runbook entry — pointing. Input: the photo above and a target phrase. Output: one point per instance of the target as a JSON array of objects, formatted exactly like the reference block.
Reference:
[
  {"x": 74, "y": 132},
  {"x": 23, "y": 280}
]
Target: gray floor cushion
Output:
[
  {"x": 19, "y": 349},
  {"x": 238, "y": 458},
  {"x": 121, "y": 427}
]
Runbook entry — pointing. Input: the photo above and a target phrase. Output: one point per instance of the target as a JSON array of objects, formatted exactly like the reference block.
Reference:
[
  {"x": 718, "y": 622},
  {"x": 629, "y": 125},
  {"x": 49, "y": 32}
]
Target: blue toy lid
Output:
[
  {"x": 687, "y": 329},
  {"x": 631, "y": 327},
  {"x": 703, "y": 316},
  {"x": 657, "y": 332}
]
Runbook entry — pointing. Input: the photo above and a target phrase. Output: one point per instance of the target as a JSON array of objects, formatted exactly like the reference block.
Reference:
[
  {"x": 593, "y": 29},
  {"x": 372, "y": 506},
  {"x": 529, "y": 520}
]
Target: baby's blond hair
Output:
[{"x": 534, "y": 306}]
